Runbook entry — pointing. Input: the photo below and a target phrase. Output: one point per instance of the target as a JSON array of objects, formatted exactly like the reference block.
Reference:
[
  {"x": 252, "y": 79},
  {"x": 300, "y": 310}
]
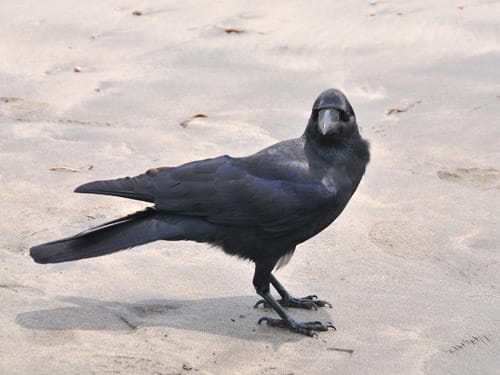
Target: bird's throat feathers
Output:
[{"x": 338, "y": 149}]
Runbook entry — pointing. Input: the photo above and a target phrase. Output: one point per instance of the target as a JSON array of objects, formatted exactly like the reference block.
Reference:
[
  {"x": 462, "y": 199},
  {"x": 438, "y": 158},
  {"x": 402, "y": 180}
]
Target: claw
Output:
[
  {"x": 310, "y": 302},
  {"x": 330, "y": 325},
  {"x": 318, "y": 302},
  {"x": 311, "y": 297},
  {"x": 259, "y": 302},
  {"x": 321, "y": 303},
  {"x": 307, "y": 328}
]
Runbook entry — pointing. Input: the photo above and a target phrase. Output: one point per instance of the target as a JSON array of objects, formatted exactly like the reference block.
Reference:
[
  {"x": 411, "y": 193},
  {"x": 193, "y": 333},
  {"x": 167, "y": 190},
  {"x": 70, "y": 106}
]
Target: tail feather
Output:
[
  {"x": 128, "y": 187},
  {"x": 136, "y": 229},
  {"x": 129, "y": 231}
]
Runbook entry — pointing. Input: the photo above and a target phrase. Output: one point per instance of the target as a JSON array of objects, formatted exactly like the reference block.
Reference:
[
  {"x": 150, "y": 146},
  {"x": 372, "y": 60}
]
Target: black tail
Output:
[{"x": 124, "y": 233}]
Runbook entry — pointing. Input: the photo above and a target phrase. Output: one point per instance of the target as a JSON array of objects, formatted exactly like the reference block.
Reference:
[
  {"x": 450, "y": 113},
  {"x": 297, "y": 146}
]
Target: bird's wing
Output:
[{"x": 223, "y": 191}]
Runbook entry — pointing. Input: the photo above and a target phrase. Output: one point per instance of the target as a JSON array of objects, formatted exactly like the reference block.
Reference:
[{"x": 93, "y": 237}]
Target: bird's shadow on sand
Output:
[{"x": 229, "y": 316}]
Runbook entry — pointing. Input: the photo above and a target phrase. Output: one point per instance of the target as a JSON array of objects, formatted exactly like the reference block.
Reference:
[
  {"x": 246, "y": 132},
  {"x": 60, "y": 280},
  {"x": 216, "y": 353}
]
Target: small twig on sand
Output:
[{"x": 403, "y": 108}]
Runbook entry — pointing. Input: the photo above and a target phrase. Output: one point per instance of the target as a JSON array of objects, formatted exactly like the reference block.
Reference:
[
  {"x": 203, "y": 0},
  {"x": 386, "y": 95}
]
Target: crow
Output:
[{"x": 258, "y": 207}]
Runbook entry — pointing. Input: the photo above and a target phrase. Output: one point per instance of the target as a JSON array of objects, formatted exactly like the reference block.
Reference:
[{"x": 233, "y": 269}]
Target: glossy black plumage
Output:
[{"x": 258, "y": 207}]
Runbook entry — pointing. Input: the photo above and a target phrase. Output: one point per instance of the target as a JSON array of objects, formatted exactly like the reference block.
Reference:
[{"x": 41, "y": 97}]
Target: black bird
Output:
[{"x": 258, "y": 207}]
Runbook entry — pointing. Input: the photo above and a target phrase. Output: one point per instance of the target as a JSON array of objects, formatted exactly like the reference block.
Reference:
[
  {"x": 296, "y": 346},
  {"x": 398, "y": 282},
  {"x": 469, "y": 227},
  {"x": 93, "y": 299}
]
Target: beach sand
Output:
[{"x": 103, "y": 89}]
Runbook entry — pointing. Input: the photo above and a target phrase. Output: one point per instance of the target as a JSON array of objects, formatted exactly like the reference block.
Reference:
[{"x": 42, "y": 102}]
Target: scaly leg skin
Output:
[
  {"x": 310, "y": 329},
  {"x": 309, "y": 302}
]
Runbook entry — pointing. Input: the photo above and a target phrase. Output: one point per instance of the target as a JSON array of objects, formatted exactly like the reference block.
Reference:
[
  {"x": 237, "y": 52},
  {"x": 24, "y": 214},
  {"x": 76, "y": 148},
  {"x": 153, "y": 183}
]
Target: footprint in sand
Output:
[
  {"x": 22, "y": 110},
  {"x": 402, "y": 238},
  {"x": 127, "y": 364},
  {"x": 152, "y": 310},
  {"x": 485, "y": 179}
]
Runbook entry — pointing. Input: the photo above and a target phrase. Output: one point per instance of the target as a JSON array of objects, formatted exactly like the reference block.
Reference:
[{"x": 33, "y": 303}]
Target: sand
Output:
[{"x": 90, "y": 90}]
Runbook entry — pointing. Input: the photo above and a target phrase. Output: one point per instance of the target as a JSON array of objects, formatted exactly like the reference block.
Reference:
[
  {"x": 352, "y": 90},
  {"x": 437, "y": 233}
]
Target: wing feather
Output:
[{"x": 224, "y": 192}]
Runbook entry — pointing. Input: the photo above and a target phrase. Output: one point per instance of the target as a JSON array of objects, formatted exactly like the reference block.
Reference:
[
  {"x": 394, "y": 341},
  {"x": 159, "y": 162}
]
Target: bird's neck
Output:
[{"x": 338, "y": 151}]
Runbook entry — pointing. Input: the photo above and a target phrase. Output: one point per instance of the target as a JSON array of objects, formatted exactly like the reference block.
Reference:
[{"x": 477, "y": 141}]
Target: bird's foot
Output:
[
  {"x": 309, "y": 303},
  {"x": 306, "y": 328}
]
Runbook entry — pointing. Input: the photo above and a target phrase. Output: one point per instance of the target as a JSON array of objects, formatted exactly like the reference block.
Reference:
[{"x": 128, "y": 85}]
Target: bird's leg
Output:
[
  {"x": 261, "y": 280},
  {"x": 308, "y": 302}
]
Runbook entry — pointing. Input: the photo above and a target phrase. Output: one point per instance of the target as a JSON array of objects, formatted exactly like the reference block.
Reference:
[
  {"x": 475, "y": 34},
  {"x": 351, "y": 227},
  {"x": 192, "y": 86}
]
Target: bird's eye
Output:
[{"x": 344, "y": 116}]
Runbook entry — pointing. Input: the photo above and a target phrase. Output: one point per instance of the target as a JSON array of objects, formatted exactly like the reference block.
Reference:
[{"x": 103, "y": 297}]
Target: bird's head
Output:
[{"x": 332, "y": 118}]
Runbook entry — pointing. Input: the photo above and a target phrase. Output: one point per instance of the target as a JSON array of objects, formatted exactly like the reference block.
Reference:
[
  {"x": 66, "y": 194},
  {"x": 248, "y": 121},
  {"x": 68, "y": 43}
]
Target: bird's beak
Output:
[{"x": 328, "y": 121}]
